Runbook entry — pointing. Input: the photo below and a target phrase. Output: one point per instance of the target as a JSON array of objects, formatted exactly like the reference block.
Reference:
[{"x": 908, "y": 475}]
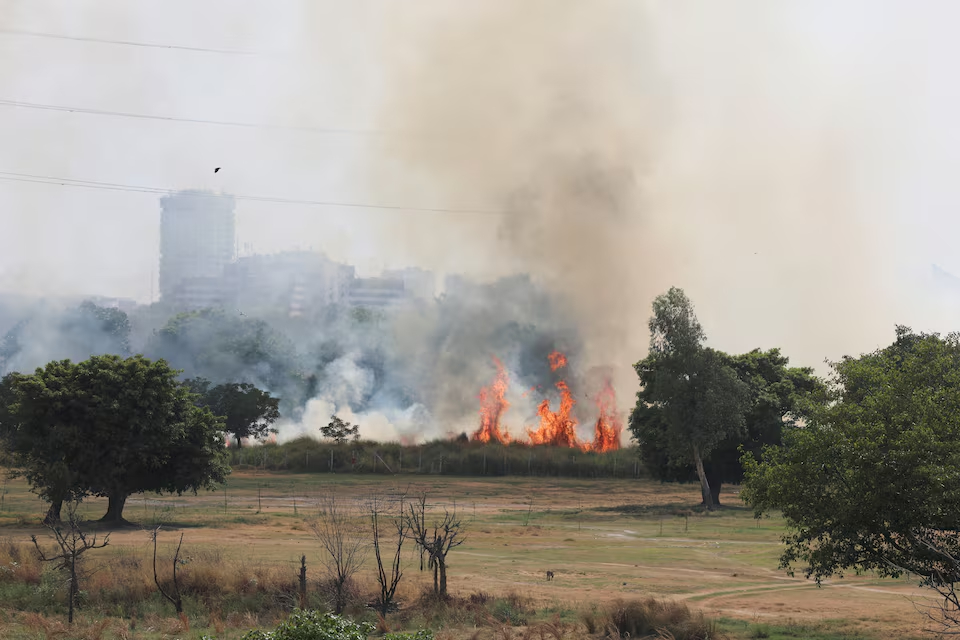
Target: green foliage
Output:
[
  {"x": 313, "y": 625},
  {"x": 778, "y": 396},
  {"x": 690, "y": 397},
  {"x": 110, "y": 426},
  {"x": 340, "y": 431},
  {"x": 224, "y": 347},
  {"x": 247, "y": 411},
  {"x": 872, "y": 482},
  {"x": 422, "y": 634},
  {"x": 444, "y": 457}
]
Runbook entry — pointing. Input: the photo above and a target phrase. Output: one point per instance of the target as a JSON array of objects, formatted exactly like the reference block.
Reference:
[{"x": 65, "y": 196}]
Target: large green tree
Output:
[
  {"x": 111, "y": 427},
  {"x": 38, "y": 418},
  {"x": 688, "y": 391},
  {"x": 778, "y": 396},
  {"x": 248, "y": 412},
  {"x": 872, "y": 481}
]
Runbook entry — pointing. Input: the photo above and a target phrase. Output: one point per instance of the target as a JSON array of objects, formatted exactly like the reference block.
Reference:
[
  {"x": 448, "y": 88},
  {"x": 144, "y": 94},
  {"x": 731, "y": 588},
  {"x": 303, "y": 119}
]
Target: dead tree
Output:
[
  {"x": 379, "y": 511},
  {"x": 436, "y": 540},
  {"x": 344, "y": 548},
  {"x": 174, "y": 597},
  {"x": 73, "y": 543}
]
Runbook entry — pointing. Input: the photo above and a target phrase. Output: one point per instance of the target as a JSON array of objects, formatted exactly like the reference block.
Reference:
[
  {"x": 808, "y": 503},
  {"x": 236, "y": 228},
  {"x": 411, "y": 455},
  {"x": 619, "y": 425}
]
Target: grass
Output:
[{"x": 606, "y": 540}]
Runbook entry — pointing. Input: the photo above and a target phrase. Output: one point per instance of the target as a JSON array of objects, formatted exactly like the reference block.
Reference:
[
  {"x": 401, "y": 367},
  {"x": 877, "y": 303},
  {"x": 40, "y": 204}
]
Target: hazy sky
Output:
[{"x": 796, "y": 160}]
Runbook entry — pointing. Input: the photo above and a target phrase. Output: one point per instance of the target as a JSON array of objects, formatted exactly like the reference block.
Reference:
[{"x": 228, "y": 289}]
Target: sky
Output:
[{"x": 791, "y": 165}]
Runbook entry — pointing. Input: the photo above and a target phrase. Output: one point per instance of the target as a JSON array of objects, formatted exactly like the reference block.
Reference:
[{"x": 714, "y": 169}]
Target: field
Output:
[{"x": 604, "y": 540}]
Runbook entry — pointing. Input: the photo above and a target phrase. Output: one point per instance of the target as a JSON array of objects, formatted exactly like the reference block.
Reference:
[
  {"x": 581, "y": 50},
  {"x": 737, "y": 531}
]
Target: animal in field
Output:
[{"x": 549, "y": 575}]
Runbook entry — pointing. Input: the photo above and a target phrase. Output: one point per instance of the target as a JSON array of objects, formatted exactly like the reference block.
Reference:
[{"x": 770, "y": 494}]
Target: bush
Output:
[
  {"x": 650, "y": 618},
  {"x": 313, "y": 625}
]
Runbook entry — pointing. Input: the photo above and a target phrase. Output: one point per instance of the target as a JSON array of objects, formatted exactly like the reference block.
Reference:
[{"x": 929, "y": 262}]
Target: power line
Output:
[
  {"x": 113, "y": 186},
  {"x": 146, "y": 116},
  {"x": 130, "y": 43}
]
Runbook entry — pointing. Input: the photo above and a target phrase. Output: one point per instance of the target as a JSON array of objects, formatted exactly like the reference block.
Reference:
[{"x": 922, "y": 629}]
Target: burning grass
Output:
[{"x": 557, "y": 428}]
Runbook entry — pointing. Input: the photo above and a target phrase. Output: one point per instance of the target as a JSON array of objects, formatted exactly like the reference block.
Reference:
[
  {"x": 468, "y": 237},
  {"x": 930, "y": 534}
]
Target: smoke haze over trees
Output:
[
  {"x": 611, "y": 148},
  {"x": 410, "y": 373}
]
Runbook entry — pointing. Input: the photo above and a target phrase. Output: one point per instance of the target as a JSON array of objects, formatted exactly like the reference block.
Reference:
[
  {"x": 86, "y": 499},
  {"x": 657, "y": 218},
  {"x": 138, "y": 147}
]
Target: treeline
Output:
[{"x": 439, "y": 457}]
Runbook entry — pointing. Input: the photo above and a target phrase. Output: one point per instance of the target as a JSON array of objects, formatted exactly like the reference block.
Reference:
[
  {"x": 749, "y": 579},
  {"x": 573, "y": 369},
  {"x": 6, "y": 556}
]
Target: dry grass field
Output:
[{"x": 604, "y": 540}]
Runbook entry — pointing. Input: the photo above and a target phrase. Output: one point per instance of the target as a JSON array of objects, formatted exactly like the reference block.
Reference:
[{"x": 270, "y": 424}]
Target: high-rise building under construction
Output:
[{"x": 197, "y": 240}]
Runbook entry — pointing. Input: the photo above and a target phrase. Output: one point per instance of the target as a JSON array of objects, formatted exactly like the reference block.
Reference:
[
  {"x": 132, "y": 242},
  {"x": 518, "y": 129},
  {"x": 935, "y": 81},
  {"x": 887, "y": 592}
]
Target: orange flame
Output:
[
  {"x": 556, "y": 427},
  {"x": 493, "y": 404},
  {"x": 609, "y": 426},
  {"x": 557, "y": 360}
]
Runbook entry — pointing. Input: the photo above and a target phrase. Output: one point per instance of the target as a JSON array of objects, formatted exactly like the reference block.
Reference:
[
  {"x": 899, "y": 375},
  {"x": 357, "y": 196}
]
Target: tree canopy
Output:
[
  {"x": 223, "y": 348},
  {"x": 690, "y": 394},
  {"x": 110, "y": 427},
  {"x": 340, "y": 430},
  {"x": 778, "y": 396},
  {"x": 247, "y": 411},
  {"x": 871, "y": 481}
]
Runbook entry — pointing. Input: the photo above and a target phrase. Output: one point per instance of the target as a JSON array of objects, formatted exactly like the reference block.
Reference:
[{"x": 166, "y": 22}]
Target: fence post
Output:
[{"x": 303, "y": 582}]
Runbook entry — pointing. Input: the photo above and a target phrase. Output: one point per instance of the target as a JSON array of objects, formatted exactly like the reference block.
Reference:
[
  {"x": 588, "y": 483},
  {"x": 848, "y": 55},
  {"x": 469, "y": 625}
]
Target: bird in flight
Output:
[
  {"x": 217, "y": 169},
  {"x": 241, "y": 312}
]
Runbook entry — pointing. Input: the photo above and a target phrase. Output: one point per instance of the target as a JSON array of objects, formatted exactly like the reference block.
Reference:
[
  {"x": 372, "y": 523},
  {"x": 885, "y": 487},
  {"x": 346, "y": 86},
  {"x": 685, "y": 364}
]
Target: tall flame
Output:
[
  {"x": 609, "y": 427},
  {"x": 556, "y": 427},
  {"x": 493, "y": 404},
  {"x": 557, "y": 360}
]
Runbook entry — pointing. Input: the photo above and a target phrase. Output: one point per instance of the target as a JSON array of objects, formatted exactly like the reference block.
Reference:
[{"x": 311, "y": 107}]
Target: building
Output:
[
  {"x": 197, "y": 241},
  {"x": 418, "y": 284},
  {"x": 297, "y": 282},
  {"x": 376, "y": 293}
]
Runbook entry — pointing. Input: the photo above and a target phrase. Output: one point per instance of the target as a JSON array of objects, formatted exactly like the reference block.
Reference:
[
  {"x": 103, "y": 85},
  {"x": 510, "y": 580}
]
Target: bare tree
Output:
[
  {"x": 173, "y": 597},
  {"x": 386, "y": 522},
  {"x": 437, "y": 539},
  {"x": 73, "y": 543},
  {"x": 336, "y": 527}
]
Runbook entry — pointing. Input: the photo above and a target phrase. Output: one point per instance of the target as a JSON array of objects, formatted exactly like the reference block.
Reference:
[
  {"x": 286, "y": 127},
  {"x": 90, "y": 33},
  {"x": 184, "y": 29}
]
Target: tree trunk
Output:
[
  {"x": 73, "y": 587},
  {"x": 704, "y": 485},
  {"x": 714, "y": 479},
  {"x": 53, "y": 513},
  {"x": 436, "y": 582},
  {"x": 114, "y": 514},
  {"x": 442, "y": 563},
  {"x": 239, "y": 442}
]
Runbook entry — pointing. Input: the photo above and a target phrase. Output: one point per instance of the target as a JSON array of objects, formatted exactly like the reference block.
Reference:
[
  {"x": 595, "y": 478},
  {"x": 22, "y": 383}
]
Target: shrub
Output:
[
  {"x": 650, "y": 618},
  {"x": 313, "y": 625}
]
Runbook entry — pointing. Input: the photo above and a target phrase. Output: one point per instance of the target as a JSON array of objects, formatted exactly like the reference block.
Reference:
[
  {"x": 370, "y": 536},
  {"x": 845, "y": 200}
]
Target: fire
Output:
[
  {"x": 557, "y": 360},
  {"x": 493, "y": 404},
  {"x": 556, "y": 427},
  {"x": 608, "y": 428}
]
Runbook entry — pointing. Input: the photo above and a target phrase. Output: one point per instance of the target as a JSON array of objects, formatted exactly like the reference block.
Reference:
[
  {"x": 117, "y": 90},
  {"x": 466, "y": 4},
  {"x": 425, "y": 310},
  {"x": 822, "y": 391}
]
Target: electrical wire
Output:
[
  {"x": 113, "y": 186},
  {"x": 146, "y": 116},
  {"x": 129, "y": 43}
]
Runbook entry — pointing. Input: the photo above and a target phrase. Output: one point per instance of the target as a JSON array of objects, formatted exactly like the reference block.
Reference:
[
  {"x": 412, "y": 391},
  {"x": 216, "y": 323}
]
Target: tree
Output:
[
  {"x": 778, "y": 396},
  {"x": 340, "y": 431},
  {"x": 395, "y": 531},
  {"x": 344, "y": 548},
  {"x": 38, "y": 428},
  {"x": 689, "y": 392},
  {"x": 870, "y": 482},
  {"x": 436, "y": 539},
  {"x": 74, "y": 334},
  {"x": 247, "y": 411},
  {"x": 224, "y": 347},
  {"x": 111, "y": 427},
  {"x": 72, "y": 543}
]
